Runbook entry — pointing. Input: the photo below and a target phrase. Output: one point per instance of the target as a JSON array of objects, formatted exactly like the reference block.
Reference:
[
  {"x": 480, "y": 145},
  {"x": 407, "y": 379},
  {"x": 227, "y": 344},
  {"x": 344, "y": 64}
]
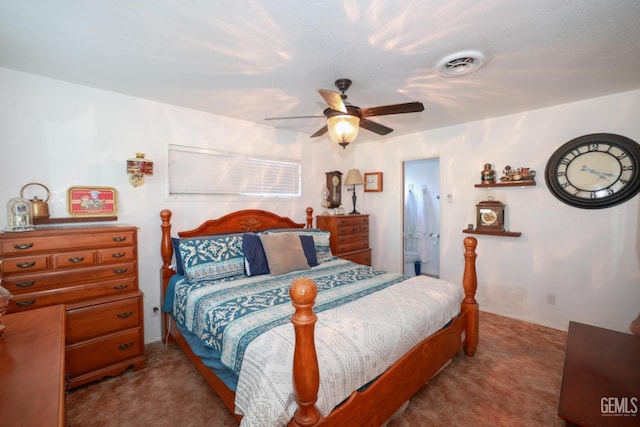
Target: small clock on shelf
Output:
[
  {"x": 334, "y": 185},
  {"x": 490, "y": 215}
]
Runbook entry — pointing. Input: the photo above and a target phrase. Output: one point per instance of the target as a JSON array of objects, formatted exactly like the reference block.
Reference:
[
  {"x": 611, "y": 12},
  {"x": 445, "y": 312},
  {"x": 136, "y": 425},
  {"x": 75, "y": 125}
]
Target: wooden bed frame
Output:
[{"x": 378, "y": 402}]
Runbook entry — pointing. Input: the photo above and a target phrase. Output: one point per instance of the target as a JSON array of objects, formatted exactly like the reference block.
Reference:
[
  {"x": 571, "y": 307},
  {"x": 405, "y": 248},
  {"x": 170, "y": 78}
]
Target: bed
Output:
[{"x": 302, "y": 364}]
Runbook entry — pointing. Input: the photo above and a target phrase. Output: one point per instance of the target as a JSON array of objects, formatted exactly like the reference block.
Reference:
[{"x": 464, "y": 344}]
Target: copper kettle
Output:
[{"x": 39, "y": 207}]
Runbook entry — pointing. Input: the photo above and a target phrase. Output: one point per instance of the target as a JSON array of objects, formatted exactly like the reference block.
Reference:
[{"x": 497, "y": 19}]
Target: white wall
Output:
[
  {"x": 590, "y": 259},
  {"x": 62, "y": 135}
]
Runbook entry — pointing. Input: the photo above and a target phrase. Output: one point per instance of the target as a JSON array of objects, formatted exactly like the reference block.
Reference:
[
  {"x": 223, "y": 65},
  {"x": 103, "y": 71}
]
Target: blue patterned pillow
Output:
[
  {"x": 320, "y": 240},
  {"x": 212, "y": 257}
]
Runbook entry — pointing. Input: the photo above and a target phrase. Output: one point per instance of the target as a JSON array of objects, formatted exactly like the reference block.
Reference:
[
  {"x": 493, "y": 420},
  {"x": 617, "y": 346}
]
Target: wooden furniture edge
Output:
[
  {"x": 405, "y": 377},
  {"x": 401, "y": 376}
]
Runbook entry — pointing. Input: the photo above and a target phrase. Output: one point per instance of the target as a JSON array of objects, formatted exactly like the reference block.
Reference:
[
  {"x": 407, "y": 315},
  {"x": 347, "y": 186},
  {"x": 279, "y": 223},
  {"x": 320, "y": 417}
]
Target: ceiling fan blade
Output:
[
  {"x": 408, "y": 107},
  {"x": 375, "y": 127},
  {"x": 333, "y": 99},
  {"x": 294, "y": 117},
  {"x": 324, "y": 129}
]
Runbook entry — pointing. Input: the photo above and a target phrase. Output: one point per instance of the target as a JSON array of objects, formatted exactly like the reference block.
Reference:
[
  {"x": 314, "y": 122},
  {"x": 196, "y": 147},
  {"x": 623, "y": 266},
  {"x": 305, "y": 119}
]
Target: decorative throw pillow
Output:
[
  {"x": 176, "y": 252},
  {"x": 255, "y": 260},
  {"x": 212, "y": 257},
  {"x": 284, "y": 253},
  {"x": 320, "y": 240},
  {"x": 309, "y": 250}
]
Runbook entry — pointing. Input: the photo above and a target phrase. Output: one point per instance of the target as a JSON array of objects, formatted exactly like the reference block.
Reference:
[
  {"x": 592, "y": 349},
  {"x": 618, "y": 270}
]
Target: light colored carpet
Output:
[{"x": 513, "y": 380}]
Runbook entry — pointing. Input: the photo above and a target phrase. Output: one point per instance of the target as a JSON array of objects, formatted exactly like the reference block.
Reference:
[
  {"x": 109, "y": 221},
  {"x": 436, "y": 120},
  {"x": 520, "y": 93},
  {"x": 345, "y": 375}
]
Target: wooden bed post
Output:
[
  {"x": 470, "y": 284},
  {"x": 166, "y": 250},
  {"x": 306, "y": 374}
]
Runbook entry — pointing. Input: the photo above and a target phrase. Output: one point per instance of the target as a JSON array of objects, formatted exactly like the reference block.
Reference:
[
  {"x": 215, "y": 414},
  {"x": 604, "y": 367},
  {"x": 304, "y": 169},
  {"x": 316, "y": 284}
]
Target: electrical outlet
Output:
[
  {"x": 551, "y": 299},
  {"x": 155, "y": 312}
]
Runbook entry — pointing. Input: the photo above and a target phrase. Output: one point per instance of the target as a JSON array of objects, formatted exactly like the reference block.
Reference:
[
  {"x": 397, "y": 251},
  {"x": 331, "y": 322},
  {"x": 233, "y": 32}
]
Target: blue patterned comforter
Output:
[{"x": 227, "y": 314}]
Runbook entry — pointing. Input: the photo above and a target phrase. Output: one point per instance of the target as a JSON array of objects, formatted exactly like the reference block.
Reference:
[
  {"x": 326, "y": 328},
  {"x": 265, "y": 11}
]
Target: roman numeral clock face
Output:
[{"x": 595, "y": 171}]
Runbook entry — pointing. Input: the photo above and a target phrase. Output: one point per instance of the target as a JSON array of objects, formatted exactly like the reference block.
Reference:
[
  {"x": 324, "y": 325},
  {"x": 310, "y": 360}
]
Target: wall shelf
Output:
[
  {"x": 527, "y": 183},
  {"x": 493, "y": 232}
]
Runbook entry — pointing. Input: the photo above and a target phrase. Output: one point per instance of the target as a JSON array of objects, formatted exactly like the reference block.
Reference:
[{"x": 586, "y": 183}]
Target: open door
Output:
[{"x": 421, "y": 210}]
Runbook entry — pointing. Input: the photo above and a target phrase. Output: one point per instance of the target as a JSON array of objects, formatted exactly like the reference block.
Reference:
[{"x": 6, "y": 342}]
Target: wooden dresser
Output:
[
  {"x": 32, "y": 368},
  {"x": 93, "y": 271},
  {"x": 349, "y": 236}
]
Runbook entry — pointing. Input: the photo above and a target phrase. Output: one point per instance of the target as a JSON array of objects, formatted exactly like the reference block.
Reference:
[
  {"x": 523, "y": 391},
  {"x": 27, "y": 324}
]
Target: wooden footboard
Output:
[
  {"x": 396, "y": 385},
  {"x": 388, "y": 392}
]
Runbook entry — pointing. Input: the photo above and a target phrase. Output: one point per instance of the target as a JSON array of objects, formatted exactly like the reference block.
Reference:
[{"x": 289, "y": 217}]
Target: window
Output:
[{"x": 203, "y": 172}]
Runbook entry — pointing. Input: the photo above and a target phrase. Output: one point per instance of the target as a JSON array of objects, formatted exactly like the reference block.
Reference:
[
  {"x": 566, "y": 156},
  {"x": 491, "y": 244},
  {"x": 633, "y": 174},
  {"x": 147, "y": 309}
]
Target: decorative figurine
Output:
[
  {"x": 325, "y": 201},
  {"x": 488, "y": 175},
  {"x": 520, "y": 174}
]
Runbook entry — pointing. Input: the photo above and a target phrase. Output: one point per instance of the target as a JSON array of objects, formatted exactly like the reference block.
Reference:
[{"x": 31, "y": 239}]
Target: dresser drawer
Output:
[
  {"x": 352, "y": 242},
  {"x": 72, "y": 240},
  {"x": 349, "y": 221},
  {"x": 25, "y": 264},
  {"x": 362, "y": 257},
  {"x": 125, "y": 253},
  {"x": 92, "y": 321},
  {"x": 74, "y": 259},
  {"x": 104, "y": 351},
  {"x": 21, "y": 283},
  {"x": 353, "y": 229},
  {"x": 77, "y": 292}
]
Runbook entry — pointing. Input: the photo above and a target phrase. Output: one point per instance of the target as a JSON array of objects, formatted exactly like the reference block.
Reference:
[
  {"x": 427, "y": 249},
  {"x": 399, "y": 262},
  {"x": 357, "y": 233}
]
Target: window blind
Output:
[{"x": 203, "y": 172}]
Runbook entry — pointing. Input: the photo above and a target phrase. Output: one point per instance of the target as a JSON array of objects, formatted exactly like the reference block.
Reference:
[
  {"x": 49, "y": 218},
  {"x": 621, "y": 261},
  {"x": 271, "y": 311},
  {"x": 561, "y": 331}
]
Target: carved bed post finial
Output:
[
  {"x": 309, "y": 217},
  {"x": 306, "y": 374},
  {"x": 166, "y": 249},
  {"x": 470, "y": 284}
]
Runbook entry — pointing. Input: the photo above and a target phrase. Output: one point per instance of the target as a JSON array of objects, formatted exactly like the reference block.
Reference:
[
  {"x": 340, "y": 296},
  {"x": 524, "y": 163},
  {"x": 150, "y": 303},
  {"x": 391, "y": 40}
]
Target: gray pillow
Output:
[{"x": 284, "y": 253}]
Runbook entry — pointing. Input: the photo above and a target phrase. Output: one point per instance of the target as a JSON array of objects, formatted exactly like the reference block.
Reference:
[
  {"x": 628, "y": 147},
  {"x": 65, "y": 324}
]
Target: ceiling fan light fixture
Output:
[
  {"x": 343, "y": 128},
  {"x": 461, "y": 63}
]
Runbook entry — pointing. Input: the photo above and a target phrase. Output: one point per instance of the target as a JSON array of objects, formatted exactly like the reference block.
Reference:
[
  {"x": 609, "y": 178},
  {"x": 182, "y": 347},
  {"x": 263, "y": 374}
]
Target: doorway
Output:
[{"x": 421, "y": 217}]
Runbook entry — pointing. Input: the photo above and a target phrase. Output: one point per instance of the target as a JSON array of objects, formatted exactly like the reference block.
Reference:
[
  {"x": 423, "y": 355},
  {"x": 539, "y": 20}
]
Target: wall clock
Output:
[
  {"x": 595, "y": 171},
  {"x": 334, "y": 185},
  {"x": 490, "y": 215}
]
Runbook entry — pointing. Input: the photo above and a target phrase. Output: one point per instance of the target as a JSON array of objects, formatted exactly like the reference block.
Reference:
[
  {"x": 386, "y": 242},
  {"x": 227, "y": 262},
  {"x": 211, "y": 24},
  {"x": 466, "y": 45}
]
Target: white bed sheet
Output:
[{"x": 355, "y": 343}]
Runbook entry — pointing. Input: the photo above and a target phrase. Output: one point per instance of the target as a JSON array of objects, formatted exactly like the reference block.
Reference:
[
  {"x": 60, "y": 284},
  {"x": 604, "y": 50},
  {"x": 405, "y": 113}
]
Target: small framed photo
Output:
[
  {"x": 372, "y": 181},
  {"x": 92, "y": 201}
]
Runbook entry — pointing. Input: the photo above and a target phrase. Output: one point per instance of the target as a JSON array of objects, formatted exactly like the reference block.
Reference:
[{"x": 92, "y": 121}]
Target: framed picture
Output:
[
  {"x": 372, "y": 181},
  {"x": 92, "y": 201}
]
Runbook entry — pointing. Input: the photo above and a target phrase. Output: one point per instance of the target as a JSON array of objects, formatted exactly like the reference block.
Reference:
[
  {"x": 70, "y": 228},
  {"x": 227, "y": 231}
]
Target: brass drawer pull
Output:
[
  {"x": 25, "y": 303},
  {"x": 26, "y": 264},
  {"x": 126, "y": 346},
  {"x": 118, "y": 255},
  {"x": 25, "y": 284},
  {"x": 22, "y": 246},
  {"x": 125, "y": 315},
  {"x": 120, "y": 270},
  {"x": 119, "y": 239},
  {"x": 76, "y": 259},
  {"x": 120, "y": 287}
]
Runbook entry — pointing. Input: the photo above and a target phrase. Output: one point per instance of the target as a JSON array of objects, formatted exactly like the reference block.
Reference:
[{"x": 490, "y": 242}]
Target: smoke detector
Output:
[{"x": 461, "y": 63}]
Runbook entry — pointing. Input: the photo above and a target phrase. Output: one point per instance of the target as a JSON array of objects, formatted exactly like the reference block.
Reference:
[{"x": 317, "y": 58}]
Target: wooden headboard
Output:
[{"x": 247, "y": 220}]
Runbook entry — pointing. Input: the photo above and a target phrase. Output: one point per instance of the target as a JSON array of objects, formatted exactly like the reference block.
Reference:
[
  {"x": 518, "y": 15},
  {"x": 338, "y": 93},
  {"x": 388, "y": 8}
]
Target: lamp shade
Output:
[
  {"x": 354, "y": 177},
  {"x": 343, "y": 128}
]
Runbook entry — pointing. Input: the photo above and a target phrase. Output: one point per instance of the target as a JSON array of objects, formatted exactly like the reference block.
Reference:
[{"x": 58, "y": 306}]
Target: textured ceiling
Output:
[{"x": 256, "y": 59}]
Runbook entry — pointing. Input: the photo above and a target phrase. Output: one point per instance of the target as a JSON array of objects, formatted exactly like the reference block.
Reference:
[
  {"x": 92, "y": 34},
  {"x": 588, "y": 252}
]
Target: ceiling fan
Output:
[{"x": 345, "y": 119}]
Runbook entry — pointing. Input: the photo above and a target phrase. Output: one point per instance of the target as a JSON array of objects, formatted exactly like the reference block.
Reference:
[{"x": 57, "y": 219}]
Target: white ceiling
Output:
[{"x": 256, "y": 59}]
